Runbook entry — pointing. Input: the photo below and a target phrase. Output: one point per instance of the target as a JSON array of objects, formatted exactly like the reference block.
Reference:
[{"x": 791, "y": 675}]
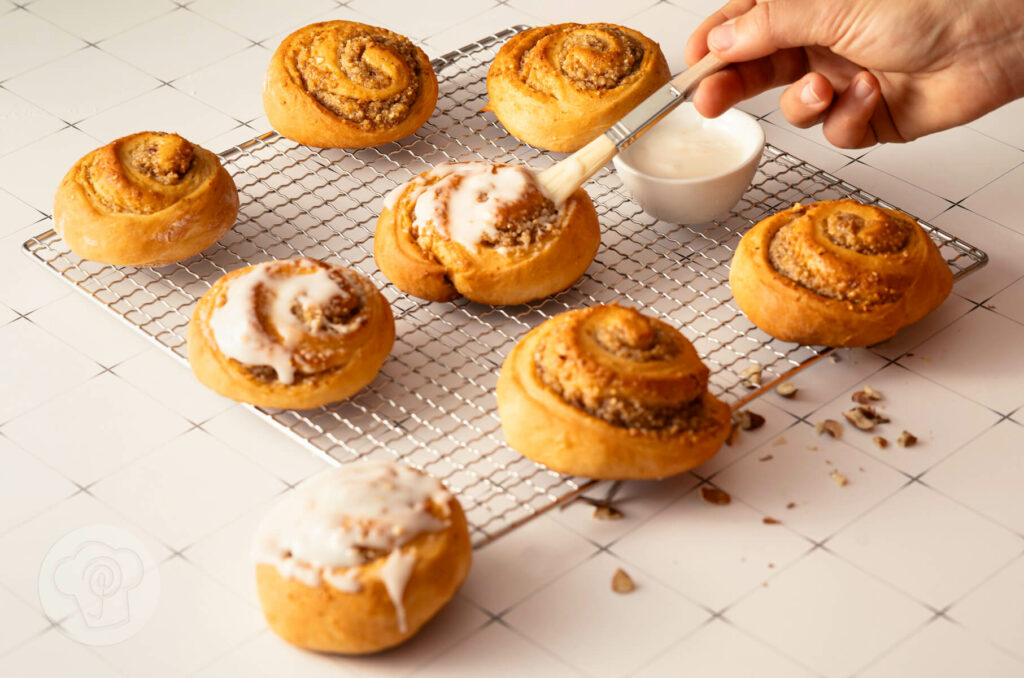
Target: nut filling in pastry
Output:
[
  {"x": 837, "y": 273},
  {"x": 621, "y": 395},
  {"x": 343, "y": 84},
  {"x": 558, "y": 87},
  {"x": 147, "y": 199},
  {"x": 359, "y": 557},
  {"x": 294, "y": 333},
  {"x": 484, "y": 231}
]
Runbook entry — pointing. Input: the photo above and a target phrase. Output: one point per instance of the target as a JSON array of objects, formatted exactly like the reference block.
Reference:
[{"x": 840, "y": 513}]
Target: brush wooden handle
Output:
[{"x": 563, "y": 178}]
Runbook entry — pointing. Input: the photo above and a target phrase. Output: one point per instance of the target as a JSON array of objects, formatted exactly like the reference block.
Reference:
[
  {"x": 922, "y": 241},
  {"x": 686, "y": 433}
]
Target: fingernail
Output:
[
  {"x": 721, "y": 38},
  {"x": 809, "y": 96},
  {"x": 862, "y": 89}
]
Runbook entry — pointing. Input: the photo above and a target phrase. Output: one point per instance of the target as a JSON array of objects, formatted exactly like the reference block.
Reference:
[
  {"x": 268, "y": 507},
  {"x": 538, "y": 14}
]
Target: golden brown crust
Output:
[
  {"x": 558, "y": 87},
  {"x": 342, "y": 84},
  {"x": 532, "y": 258},
  {"x": 147, "y": 199},
  {"x": 330, "y": 366},
  {"x": 328, "y": 620},
  {"x": 837, "y": 273},
  {"x": 620, "y": 395}
]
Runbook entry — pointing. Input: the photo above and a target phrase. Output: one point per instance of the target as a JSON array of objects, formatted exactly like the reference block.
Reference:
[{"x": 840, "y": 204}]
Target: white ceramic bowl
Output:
[{"x": 694, "y": 199}]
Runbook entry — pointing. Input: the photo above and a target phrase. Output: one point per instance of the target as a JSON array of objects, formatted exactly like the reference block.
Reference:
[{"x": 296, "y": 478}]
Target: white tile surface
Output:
[
  {"x": 27, "y": 486},
  {"x": 797, "y": 614},
  {"x": 513, "y": 567},
  {"x": 665, "y": 24},
  {"x": 99, "y": 19},
  {"x": 218, "y": 484},
  {"x": 492, "y": 20},
  {"x": 953, "y": 164},
  {"x": 18, "y": 623},
  {"x": 55, "y": 367},
  {"x": 1004, "y": 246},
  {"x": 776, "y": 422},
  {"x": 402, "y": 16},
  {"x": 174, "y": 45},
  {"x": 163, "y": 109},
  {"x": 16, "y": 214},
  {"x": 986, "y": 475},
  {"x": 892, "y": 189},
  {"x": 952, "y": 309},
  {"x": 1002, "y": 124},
  {"x": 819, "y": 155},
  {"x": 1001, "y": 200},
  {"x": 598, "y": 10},
  {"x": 996, "y": 609},
  {"x": 927, "y": 545},
  {"x": 988, "y": 373},
  {"x": 52, "y": 654},
  {"x": 258, "y": 21},
  {"x": 173, "y": 384},
  {"x": 67, "y": 88},
  {"x": 1010, "y": 302},
  {"x": 23, "y": 122},
  {"x": 33, "y": 172},
  {"x": 720, "y": 650},
  {"x": 944, "y": 650},
  {"x": 101, "y": 336},
  {"x": 825, "y": 379},
  {"x": 232, "y": 85},
  {"x": 105, "y": 425},
  {"x": 496, "y": 652},
  {"x": 580, "y": 619},
  {"x": 942, "y": 420},
  {"x": 712, "y": 554},
  {"x": 800, "y": 473},
  {"x": 26, "y": 41}
]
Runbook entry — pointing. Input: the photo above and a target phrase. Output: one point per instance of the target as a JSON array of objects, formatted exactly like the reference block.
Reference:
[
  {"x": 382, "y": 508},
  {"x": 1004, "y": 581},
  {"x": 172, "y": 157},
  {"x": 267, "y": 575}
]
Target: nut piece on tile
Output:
[
  {"x": 713, "y": 495},
  {"x": 864, "y": 417},
  {"x": 786, "y": 389},
  {"x": 622, "y": 582},
  {"x": 747, "y": 420},
  {"x": 866, "y": 396},
  {"x": 752, "y": 377},
  {"x": 881, "y": 442},
  {"x": 768, "y": 520},
  {"x": 829, "y": 426},
  {"x": 607, "y": 512},
  {"x": 840, "y": 479},
  {"x": 906, "y": 439}
]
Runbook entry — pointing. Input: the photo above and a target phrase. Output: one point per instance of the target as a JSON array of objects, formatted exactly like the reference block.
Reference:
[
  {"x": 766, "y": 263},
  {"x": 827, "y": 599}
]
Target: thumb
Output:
[{"x": 771, "y": 26}]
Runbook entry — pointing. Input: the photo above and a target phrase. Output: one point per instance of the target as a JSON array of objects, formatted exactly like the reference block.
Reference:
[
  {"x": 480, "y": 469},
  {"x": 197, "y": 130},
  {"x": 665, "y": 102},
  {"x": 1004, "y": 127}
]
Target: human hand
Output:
[{"x": 870, "y": 70}]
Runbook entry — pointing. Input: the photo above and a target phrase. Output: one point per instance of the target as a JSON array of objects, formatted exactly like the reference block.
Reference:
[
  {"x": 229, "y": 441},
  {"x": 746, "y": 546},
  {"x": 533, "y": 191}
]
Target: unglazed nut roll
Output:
[
  {"x": 293, "y": 333},
  {"x": 486, "y": 232},
  {"x": 559, "y": 87},
  {"x": 607, "y": 392},
  {"x": 358, "y": 558},
  {"x": 342, "y": 84},
  {"x": 148, "y": 199},
  {"x": 837, "y": 273}
]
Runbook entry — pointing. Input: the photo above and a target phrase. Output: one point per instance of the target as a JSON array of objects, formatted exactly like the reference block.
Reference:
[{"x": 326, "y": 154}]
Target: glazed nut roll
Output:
[
  {"x": 291, "y": 334},
  {"x": 342, "y": 84},
  {"x": 486, "y": 232},
  {"x": 147, "y": 199},
  {"x": 358, "y": 558},
  {"x": 838, "y": 273},
  {"x": 559, "y": 87},
  {"x": 607, "y": 392}
]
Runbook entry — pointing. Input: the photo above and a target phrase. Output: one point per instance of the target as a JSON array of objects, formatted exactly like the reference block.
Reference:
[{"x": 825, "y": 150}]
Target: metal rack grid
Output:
[{"x": 432, "y": 405}]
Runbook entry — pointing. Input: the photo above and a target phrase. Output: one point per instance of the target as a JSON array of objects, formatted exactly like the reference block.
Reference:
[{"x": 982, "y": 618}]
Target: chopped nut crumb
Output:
[
  {"x": 865, "y": 417},
  {"x": 906, "y": 439},
  {"x": 771, "y": 565},
  {"x": 731, "y": 438},
  {"x": 713, "y": 495},
  {"x": 747, "y": 420},
  {"x": 752, "y": 377},
  {"x": 781, "y": 440},
  {"x": 606, "y": 512},
  {"x": 834, "y": 358},
  {"x": 866, "y": 396},
  {"x": 786, "y": 389},
  {"x": 769, "y": 521},
  {"x": 766, "y": 457},
  {"x": 880, "y": 441},
  {"x": 829, "y": 426},
  {"x": 622, "y": 582},
  {"x": 840, "y": 479},
  {"x": 791, "y": 505}
]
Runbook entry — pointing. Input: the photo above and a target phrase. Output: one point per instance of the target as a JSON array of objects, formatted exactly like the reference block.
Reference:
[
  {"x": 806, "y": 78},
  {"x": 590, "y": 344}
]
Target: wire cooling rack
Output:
[{"x": 433, "y": 406}]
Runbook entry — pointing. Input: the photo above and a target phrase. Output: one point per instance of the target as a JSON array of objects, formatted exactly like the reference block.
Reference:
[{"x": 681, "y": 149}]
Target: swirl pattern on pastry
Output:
[
  {"x": 837, "y": 273},
  {"x": 359, "y": 557},
  {"x": 147, "y": 199},
  {"x": 622, "y": 396},
  {"x": 486, "y": 232},
  {"x": 558, "y": 87},
  {"x": 294, "y": 333},
  {"x": 343, "y": 84}
]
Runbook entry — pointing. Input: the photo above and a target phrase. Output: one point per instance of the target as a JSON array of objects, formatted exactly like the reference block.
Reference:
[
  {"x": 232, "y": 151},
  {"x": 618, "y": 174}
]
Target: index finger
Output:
[{"x": 697, "y": 43}]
